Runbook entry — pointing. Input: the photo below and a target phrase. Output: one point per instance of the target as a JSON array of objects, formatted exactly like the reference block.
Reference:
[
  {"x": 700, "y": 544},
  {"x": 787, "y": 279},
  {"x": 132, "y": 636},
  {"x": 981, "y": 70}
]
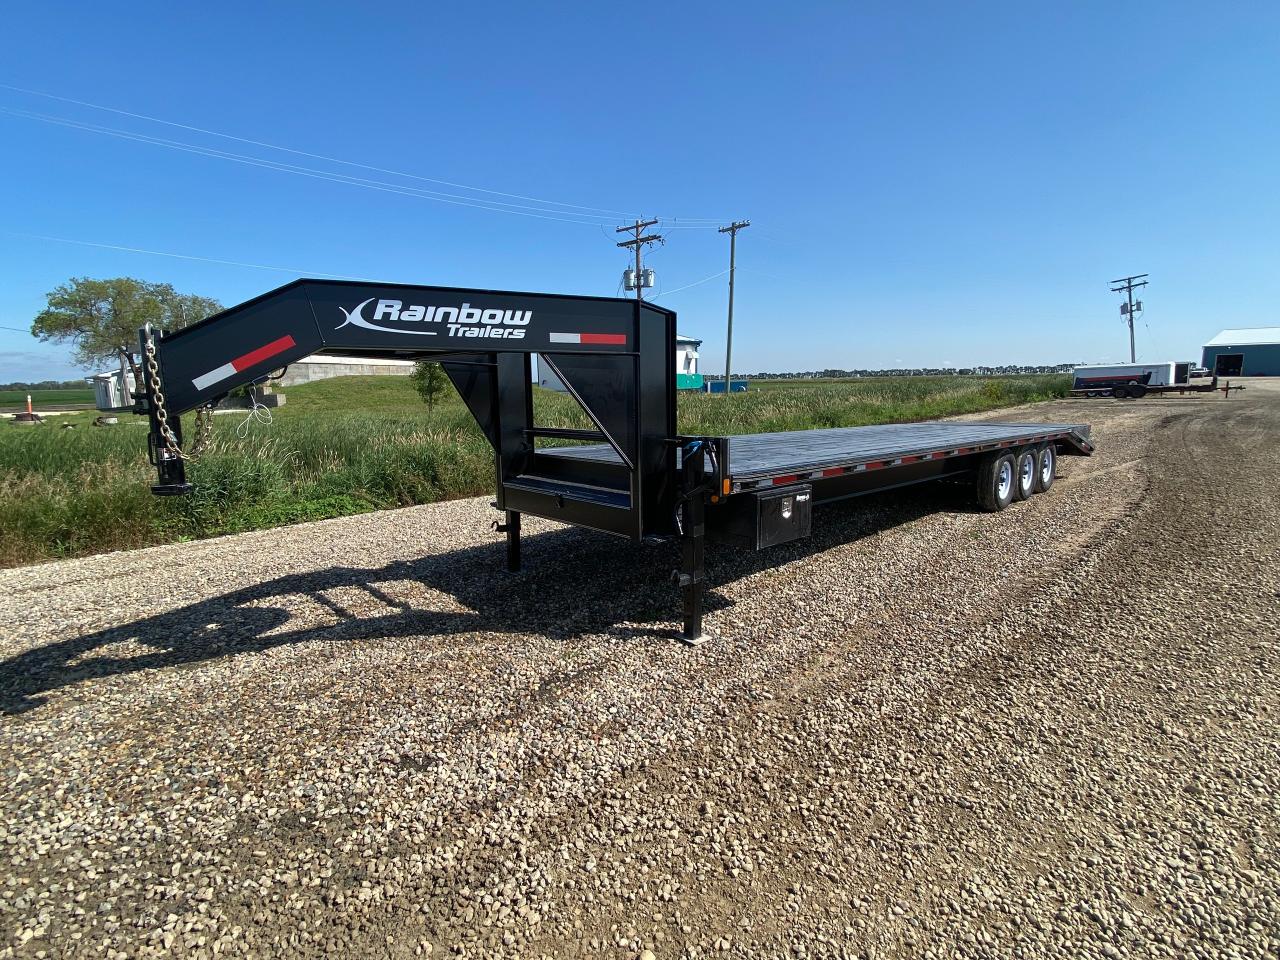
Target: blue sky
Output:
[{"x": 928, "y": 183}]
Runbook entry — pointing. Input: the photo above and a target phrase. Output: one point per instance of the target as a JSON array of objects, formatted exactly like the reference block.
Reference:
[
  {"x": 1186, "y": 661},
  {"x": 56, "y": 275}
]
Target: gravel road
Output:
[{"x": 926, "y": 732}]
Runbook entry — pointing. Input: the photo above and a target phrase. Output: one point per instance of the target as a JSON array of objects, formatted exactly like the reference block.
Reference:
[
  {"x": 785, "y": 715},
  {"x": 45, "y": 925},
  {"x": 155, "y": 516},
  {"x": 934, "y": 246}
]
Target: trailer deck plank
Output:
[{"x": 758, "y": 455}]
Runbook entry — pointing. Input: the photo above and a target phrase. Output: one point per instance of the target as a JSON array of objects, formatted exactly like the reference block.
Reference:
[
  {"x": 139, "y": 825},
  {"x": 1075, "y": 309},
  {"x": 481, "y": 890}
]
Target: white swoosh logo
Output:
[{"x": 356, "y": 316}]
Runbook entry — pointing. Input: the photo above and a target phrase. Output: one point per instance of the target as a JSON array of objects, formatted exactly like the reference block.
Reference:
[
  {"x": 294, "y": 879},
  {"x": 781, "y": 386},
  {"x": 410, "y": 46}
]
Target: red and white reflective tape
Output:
[
  {"x": 242, "y": 363},
  {"x": 609, "y": 338}
]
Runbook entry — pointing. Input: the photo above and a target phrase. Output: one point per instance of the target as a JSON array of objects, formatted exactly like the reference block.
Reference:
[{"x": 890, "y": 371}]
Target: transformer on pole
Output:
[
  {"x": 635, "y": 279},
  {"x": 1126, "y": 286}
]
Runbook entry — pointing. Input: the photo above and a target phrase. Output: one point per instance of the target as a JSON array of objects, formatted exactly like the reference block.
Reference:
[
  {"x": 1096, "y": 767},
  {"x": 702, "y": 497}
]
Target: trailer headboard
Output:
[{"x": 616, "y": 357}]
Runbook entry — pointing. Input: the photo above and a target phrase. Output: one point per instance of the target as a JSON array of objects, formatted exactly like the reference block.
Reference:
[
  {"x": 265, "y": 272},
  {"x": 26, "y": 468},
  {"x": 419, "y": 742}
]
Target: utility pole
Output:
[
  {"x": 638, "y": 241},
  {"x": 1126, "y": 286},
  {"x": 732, "y": 230}
]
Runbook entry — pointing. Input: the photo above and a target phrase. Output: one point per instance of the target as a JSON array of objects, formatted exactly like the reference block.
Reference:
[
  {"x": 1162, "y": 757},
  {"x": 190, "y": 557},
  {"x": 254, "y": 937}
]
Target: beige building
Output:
[{"x": 319, "y": 367}]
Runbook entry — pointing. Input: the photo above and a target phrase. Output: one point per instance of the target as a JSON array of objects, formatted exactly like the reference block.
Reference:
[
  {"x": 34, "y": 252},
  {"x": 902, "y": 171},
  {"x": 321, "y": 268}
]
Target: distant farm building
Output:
[
  {"x": 322, "y": 368},
  {"x": 112, "y": 390},
  {"x": 687, "y": 375},
  {"x": 1246, "y": 352}
]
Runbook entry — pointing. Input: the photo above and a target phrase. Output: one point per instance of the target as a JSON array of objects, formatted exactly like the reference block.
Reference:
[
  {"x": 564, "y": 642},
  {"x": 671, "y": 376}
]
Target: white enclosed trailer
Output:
[{"x": 1130, "y": 379}]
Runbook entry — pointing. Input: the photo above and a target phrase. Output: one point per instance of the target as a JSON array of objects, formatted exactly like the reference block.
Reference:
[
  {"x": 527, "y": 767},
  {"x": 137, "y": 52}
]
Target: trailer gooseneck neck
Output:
[{"x": 634, "y": 476}]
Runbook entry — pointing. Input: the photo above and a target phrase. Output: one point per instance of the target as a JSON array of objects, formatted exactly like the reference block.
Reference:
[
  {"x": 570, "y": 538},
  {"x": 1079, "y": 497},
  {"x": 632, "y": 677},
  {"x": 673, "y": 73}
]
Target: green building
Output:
[{"x": 1250, "y": 352}]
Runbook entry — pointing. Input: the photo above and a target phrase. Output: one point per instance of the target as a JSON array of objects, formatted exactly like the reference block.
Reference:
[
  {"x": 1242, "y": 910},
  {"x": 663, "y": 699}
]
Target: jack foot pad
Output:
[{"x": 694, "y": 641}]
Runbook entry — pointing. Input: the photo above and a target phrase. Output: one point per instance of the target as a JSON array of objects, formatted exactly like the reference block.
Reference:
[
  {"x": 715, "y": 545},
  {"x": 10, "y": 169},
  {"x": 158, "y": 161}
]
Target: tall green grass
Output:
[{"x": 355, "y": 444}]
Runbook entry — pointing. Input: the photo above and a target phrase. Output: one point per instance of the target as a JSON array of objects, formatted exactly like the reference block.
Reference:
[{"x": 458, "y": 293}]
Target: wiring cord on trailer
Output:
[
  {"x": 687, "y": 451},
  {"x": 259, "y": 412}
]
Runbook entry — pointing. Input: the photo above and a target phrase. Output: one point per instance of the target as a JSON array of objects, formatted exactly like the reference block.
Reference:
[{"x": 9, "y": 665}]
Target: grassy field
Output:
[
  {"x": 355, "y": 444},
  {"x": 15, "y": 398}
]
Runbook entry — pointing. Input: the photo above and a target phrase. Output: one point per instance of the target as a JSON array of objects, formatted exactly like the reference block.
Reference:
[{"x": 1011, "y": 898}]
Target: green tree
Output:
[
  {"x": 431, "y": 382},
  {"x": 99, "y": 316}
]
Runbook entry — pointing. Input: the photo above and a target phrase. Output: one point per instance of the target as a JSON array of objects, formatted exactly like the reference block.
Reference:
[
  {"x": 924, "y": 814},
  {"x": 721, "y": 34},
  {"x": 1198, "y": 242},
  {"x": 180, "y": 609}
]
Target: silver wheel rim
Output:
[
  {"x": 1004, "y": 483},
  {"x": 1046, "y": 467},
  {"x": 1027, "y": 475}
]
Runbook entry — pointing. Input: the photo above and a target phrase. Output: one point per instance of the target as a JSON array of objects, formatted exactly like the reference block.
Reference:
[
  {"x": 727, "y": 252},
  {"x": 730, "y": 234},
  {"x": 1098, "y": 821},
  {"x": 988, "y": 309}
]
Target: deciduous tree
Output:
[
  {"x": 97, "y": 317},
  {"x": 431, "y": 382}
]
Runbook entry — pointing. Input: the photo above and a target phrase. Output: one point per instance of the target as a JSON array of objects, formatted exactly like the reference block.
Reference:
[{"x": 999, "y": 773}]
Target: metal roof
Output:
[
  {"x": 681, "y": 338},
  {"x": 1246, "y": 337}
]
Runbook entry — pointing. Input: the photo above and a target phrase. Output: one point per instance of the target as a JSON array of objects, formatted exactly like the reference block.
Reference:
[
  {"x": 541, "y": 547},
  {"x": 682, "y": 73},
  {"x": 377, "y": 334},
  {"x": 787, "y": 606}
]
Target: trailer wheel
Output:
[
  {"x": 1120, "y": 392},
  {"x": 1046, "y": 467},
  {"x": 996, "y": 482},
  {"x": 1137, "y": 391},
  {"x": 1024, "y": 478}
]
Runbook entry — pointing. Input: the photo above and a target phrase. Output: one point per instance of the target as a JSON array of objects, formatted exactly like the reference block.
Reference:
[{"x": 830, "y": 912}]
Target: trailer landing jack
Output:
[
  {"x": 512, "y": 529},
  {"x": 691, "y": 576}
]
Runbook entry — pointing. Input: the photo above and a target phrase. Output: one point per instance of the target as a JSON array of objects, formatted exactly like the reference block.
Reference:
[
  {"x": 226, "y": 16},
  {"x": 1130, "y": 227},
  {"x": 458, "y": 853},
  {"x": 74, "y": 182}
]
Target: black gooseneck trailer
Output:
[{"x": 633, "y": 475}]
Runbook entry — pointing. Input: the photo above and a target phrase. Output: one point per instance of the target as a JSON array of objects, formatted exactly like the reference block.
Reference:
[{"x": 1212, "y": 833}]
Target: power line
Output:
[
  {"x": 186, "y": 256},
  {"x": 695, "y": 283},
  {"x": 570, "y": 207},
  {"x": 16, "y": 329},
  {"x": 494, "y": 206},
  {"x": 304, "y": 153}
]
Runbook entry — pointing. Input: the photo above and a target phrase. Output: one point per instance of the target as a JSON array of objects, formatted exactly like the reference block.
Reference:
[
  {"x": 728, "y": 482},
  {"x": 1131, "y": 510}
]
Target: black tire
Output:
[
  {"x": 994, "y": 484},
  {"x": 1137, "y": 391},
  {"x": 1046, "y": 467},
  {"x": 1024, "y": 474},
  {"x": 1120, "y": 392}
]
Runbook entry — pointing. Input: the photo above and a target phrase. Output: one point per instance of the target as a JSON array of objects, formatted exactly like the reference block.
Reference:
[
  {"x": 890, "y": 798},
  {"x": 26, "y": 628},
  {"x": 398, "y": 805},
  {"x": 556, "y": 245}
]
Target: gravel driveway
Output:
[{"x": 926, "y": 732}]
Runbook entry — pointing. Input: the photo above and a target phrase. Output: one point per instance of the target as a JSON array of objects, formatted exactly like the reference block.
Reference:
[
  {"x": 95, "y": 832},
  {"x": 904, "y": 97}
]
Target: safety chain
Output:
[
  {"x": 204, "y": 416},
  {"x": 204, "y": 431}
]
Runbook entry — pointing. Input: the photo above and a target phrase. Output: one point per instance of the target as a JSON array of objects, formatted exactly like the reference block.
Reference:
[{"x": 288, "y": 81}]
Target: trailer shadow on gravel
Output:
[{"x": 574, "y": 583}]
